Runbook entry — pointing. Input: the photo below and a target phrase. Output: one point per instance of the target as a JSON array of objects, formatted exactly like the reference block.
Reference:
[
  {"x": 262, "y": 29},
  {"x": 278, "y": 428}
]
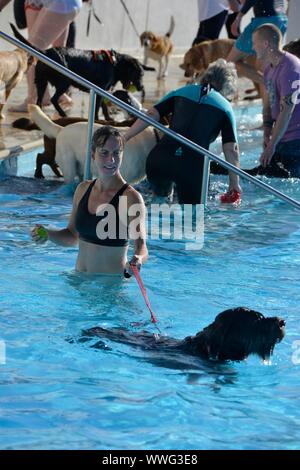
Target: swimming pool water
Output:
[{"x": 59, "y": 393}]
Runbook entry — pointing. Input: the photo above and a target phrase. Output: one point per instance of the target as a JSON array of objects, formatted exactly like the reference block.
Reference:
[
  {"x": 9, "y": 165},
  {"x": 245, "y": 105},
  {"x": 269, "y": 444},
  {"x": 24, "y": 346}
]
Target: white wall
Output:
[{"x": 117, "y": 31}]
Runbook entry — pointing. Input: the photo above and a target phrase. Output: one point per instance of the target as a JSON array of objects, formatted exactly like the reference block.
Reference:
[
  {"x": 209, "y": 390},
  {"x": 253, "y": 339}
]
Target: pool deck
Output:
[{"x": 15, "y": 141}]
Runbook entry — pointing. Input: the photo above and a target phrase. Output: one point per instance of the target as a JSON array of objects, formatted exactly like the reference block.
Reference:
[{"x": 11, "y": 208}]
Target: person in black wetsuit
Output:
[
  {"x": 264, "y": 12},
  {"x": 100, "y": 219},
  {"x": 200, "y": 113}
]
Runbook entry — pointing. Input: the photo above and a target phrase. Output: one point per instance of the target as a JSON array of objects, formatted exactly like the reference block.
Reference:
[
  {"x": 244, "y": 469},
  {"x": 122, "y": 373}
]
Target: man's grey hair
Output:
[{"x": 222, "y": 76}]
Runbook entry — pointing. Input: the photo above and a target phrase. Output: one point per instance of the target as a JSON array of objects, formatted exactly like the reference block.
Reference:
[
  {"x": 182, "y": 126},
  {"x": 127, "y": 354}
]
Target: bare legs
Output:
[{"x": 45, "y": 28}]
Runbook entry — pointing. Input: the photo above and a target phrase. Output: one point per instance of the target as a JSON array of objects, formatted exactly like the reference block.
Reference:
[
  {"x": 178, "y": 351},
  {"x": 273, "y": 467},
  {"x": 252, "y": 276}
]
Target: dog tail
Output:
[
  {"x": 44, "y": 123},
  {"x": 172, "y": 26},
  {"x": 21, "y": 38}
]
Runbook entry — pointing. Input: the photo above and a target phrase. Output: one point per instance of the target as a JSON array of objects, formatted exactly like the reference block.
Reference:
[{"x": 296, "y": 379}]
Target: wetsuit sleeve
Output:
[
  {"x": 247, "y": 5},
  {"x": 166, "y": 105},
  {"x": 229, "y": 132}
]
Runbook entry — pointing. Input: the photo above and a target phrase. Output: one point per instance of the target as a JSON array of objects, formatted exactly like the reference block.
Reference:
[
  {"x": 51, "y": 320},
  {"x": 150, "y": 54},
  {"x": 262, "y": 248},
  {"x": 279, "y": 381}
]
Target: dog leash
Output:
[
  {"x": 143, "y": 290},
  {"x": 130, "y": 18},
  {"x": 92, "y": 10}
]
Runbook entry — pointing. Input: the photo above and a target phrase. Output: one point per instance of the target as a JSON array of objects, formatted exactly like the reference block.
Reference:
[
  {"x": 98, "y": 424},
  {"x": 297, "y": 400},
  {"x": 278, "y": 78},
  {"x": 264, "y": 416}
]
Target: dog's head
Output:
[
  {"x": 147, "y": 38},
  {"x": 197, "y": 58},
  {"x": 194, "y": 61},
  {"x": 238, "y": 332},
  {"x": 129, "y": 71}
]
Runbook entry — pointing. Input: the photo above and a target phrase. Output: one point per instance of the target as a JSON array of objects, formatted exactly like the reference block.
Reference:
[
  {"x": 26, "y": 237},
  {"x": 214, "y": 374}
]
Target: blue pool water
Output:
[{"x": 62, "y": 394}]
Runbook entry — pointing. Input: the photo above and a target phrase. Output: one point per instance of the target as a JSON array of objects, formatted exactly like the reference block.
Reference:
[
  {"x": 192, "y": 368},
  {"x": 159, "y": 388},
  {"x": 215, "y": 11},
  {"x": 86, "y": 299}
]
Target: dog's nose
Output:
[{"x": 281, "y": 323}]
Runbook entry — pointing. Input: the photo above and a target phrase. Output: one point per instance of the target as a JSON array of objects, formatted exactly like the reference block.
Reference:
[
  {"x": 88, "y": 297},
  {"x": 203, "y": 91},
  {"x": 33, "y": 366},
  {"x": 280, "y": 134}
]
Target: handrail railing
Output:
[{"x": 144, "y": 117}]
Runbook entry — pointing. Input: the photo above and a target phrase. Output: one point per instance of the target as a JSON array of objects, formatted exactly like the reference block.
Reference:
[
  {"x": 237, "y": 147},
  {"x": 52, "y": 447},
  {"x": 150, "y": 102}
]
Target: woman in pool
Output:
[{"x": 106, "y": 212}]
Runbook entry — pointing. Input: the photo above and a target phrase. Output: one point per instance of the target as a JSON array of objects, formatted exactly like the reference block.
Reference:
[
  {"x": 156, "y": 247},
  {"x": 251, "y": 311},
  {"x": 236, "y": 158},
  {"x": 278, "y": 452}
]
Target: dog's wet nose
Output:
[{"x": 281, "y": 323}]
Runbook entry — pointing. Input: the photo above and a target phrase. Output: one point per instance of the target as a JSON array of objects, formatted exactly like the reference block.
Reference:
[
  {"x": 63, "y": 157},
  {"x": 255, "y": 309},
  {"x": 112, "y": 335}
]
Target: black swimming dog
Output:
[
  {"x": 104, "y": 68},
  {"x": 234, "y": 335}
]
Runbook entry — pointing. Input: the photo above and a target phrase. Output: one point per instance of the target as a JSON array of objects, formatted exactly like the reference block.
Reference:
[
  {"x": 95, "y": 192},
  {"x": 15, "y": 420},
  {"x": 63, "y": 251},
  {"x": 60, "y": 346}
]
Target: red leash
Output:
[{"x": 143, "y": 290}]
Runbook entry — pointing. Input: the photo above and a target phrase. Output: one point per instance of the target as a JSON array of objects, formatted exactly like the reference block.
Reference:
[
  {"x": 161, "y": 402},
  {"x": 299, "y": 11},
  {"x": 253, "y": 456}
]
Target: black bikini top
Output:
[{"x": 86, "y": 223}]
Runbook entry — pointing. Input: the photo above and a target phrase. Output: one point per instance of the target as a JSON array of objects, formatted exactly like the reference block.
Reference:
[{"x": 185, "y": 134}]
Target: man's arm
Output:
[
  {"x": 140, "y": 125},
  {"x": 287, "y": 106},
  {"x": 268, "y": 121}
]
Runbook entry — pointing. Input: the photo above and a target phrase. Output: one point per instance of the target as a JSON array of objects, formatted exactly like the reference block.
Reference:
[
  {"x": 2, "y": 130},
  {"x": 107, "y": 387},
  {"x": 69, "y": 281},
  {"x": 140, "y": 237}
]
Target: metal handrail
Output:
[{"x": 146, "y": 118}]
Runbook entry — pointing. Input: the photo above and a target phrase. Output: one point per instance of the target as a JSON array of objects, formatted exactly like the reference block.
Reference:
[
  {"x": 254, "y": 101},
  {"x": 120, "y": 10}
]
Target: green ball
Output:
[
  {"x": 131, "y": 88},
  {"x": 42, "y": 233}
]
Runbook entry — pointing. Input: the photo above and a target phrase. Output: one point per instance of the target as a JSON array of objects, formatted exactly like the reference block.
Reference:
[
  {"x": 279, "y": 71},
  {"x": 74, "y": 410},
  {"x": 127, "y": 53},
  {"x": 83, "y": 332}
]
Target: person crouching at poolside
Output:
[{"x": 99, "y": 218}]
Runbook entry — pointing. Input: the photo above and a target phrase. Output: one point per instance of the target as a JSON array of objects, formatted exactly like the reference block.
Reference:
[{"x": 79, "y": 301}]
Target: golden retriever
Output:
[
  {"x": 13, "y": 65},
  {"x": 197, "y": 58},
  {"x": 158, "y": 48}
]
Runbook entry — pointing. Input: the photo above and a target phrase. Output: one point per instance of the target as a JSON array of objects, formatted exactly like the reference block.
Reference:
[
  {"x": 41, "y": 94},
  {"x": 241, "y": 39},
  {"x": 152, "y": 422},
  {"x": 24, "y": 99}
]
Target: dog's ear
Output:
[{"x": 148, "y": 69}]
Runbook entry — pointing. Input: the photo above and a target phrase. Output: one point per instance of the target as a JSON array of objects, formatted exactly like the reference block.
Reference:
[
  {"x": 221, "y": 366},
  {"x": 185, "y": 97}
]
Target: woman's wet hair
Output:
[
  {"x": 222, "y": 76},
  {"x": 102, "y": 134}
]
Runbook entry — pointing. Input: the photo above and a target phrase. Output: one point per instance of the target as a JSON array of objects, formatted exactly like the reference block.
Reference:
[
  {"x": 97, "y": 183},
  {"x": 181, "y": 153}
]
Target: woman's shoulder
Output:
[
  {"x": 81, "y": 189},
  {"x": 133, "y": 195}
]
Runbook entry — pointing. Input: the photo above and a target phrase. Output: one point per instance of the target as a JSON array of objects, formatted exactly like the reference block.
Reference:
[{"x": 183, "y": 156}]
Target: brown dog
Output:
[
  {"x": 158, "y": 48},
  {"x": 13, "y": 65},
  {"x": 197, "y": 58}
]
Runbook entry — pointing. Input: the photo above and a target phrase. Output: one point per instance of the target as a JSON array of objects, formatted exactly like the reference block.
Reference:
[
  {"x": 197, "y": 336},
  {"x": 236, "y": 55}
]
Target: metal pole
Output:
[
  {"x": 205, "y": 180},
  {"x": 88, "y": 155},
  {"x": 150, "y": 121}
]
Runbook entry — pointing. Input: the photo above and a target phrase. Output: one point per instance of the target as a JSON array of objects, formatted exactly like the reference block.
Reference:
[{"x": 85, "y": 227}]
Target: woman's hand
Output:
[
  {"x": 39, "y": 234},
  {"x": 136, "y": 260}
]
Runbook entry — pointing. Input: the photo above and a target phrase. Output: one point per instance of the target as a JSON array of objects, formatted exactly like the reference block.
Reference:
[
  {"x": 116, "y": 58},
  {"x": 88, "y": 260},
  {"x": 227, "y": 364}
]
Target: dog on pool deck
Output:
[
  {"x": 234, "y": 335},
  {"x": 158, "y": 48},
  {"x": 197, "y": 58},
  {"x": 13, "y": 65},
  {"x": 104, "y": 68},
  {"x": 71, "y": 147}
]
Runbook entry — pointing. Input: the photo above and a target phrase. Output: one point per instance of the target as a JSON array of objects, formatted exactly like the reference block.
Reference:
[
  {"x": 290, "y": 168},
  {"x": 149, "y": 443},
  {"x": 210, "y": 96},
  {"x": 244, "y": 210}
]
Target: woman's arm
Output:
[
  {"x": 137, "y": 229},
  {"x": 66, "y": 236},
  {"x": 140, "y": 125}
]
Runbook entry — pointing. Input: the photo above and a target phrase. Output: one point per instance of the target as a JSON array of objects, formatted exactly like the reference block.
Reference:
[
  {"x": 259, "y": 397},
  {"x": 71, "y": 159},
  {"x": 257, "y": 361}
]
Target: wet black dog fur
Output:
[
  {"x": 103, "y": 73},
  {"x": 234, "y": 335}
]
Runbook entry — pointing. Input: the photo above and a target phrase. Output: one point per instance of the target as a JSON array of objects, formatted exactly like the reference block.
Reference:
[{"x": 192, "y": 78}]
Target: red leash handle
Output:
[{"x": 143, "y": 290}]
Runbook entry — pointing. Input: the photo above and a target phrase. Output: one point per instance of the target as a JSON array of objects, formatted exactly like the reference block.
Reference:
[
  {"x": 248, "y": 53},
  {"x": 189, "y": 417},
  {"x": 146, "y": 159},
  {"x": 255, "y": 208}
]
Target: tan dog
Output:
[
  {"x": 13, "y": 65},
  {"x": 71, "y": 147},
  {"x": 158, "y": 48},
  {"x": 197, "y": 58}
]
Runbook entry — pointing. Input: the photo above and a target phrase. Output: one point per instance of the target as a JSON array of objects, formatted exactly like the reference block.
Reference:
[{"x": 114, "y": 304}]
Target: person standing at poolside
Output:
[
  {"x": 281, "y": 114},
  {"x": 48, "y": 24},
  {"x": 265, "y": 11},
  {"x": 100, "y": 216}
]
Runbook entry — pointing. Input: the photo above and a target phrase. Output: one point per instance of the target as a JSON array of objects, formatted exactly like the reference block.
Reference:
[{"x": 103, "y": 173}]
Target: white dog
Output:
[{"x": 71, "y": 147}]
